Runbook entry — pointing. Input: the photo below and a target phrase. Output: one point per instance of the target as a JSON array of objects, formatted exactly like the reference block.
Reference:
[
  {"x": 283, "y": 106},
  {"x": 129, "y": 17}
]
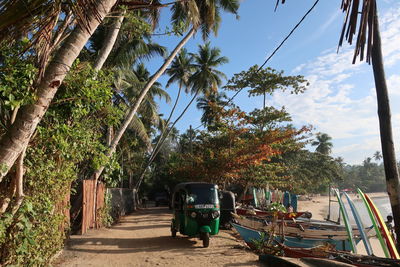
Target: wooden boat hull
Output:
[
  {"x": 357, "y": 260},
  {"x": 285, "y": 215},
  {"x": 336, "y": 258},
  {"x": 249, "y": 235},
  {"x": 299, "y": 229},
  {"x": 270, "y": 260}
]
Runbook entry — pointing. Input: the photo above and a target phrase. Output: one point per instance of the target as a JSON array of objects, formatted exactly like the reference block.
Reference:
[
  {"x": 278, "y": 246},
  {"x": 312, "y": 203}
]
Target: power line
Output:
[{"x": 273, "y": 53}]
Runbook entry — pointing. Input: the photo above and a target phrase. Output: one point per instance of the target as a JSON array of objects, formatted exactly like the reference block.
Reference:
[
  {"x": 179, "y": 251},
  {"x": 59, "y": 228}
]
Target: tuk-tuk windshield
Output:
[{"x": 203, "y": 195}]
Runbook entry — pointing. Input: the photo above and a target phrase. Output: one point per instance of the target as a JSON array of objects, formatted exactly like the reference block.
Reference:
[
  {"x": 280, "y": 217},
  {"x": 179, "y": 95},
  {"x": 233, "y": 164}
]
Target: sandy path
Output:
[{"x": 144, "y": 239}]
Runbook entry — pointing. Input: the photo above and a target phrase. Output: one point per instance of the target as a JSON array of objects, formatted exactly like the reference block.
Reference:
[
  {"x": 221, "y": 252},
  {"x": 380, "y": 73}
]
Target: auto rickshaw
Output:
[{"x": 196, "y": 210}]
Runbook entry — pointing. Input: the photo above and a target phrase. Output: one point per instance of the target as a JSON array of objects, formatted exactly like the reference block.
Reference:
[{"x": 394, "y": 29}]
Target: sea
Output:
[{"x": 382, "y": 203}]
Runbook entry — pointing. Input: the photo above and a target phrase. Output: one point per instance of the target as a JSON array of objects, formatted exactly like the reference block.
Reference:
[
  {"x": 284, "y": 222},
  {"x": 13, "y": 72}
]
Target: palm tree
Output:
[
  {"x": 179, "y": 72},
  {"x": 208, "y": 104},
  {"x": 127, "y": 84},
  {"x": 197, "y": 13},
  {"x": 369, "y": 34},
  {"x": 323, "y": 144},
  {"x": 377, "y": 156},
  {"x": 206, "y": 79},
  {"x": 127, "y": 47},
  {"x": 17, "y": 137}
]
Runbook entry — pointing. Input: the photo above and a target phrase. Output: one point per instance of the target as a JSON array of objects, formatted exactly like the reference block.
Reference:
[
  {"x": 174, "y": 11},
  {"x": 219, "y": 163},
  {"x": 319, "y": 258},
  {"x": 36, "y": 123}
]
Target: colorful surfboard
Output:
[
  {"x": 360, "y": 225},
  {"x": 374, "y": 223},
  {"x": 386, "y": 234},
  {"x": 345, "y": 216}
]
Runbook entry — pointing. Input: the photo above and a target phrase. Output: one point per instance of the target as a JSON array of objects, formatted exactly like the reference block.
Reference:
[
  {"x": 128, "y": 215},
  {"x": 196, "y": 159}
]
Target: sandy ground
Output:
[
  {"x": 144, "y": 239},
  {"x": 318, "y": 206}
]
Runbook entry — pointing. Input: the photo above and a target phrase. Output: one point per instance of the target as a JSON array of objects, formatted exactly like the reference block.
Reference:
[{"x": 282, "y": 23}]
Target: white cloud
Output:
[
  {"x": 393, "y": 83},
  {"x": 337, "y": 103}
]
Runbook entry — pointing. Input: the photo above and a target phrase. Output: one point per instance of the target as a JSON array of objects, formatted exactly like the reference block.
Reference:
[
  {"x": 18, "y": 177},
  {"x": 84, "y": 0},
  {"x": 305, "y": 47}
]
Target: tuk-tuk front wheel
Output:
[{"x": 206, "y": 239}]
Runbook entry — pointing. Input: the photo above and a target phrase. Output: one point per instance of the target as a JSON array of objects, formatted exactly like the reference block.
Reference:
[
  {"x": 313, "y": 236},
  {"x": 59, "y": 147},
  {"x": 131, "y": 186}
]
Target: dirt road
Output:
[{"x": 144, "y": 239}]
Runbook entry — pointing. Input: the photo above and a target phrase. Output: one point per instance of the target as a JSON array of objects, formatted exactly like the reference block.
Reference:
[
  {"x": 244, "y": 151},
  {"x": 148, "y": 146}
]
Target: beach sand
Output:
[{"x": 318, "y": 206}]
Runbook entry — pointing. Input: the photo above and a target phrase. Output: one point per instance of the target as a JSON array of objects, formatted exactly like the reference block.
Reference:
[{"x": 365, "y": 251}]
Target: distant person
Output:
[{"x": 389, "y": 225}]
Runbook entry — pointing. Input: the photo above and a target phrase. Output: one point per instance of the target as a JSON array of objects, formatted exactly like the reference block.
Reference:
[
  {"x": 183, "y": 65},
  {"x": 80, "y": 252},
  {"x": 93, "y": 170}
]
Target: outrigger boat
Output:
[
  {"x": 319, "y": 257},
  {"x": 299, "y": 228},
  {"x": 285, "y": 215},
  {"x": 251, "y": 236}
]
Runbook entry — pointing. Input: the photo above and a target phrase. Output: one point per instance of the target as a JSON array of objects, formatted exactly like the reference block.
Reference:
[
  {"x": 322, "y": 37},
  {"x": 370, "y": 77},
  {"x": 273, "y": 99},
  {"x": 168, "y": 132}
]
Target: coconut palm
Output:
[
  {"x": 205, "y": 80},
  {"x": 17, "y": 137},
  {"x": 323, "y": 144},
  {"x": 128, "y": 85},
  {"x": 208, "y": 104},
  {"x": 204, "y": 14},
  {"x": 125, "y": 49},
  {"x": 368, "y": 34},
  {"x": 377, "y": 156},
  {"x": 179, "y": 72}
]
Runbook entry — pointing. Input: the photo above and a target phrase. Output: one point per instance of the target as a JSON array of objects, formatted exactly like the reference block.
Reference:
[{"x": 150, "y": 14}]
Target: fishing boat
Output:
[
  {"x": 299, "y": 228},
  {"x": 251, "y": 235},
  {"x": 329, "y": 253},
  {"x": 280, "y": 215},
  {"x": 329, "y": 259}
]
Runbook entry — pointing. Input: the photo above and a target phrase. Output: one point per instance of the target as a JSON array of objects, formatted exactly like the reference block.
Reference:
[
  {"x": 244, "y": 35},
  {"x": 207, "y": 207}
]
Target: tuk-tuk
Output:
[{"x": 196, "y": 210}]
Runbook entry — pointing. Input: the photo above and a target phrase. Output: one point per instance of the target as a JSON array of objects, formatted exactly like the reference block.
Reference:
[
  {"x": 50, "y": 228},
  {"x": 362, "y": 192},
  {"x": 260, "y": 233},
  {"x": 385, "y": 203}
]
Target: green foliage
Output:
[
  {"x": 16, "y": 79},
  {"x": 266, "y": 81},
  {"x": 369, "y": 176},
  {"x": 311, "y": 172},
  {"x": 277, "y": 207},
  {"x": 106, "y": 211},
  {"x": 66, "y": 141},
  {"x": 323, "y": 144}
]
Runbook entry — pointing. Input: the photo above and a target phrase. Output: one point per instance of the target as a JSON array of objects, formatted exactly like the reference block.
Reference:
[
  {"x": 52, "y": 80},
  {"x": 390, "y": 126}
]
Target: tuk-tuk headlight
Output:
[
  {"x": 215, "y": 214},
  {"x": 193, "y": 214}
]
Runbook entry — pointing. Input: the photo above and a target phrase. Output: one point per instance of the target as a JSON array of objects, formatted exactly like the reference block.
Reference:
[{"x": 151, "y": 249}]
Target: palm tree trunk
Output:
[
  {"x": 17, "y": 138},
  {"x": 385, "y": 126},
  {"x": 163, "y": 138},
  {"x": 109, "y": 42},
  {"x": 133, "y": 110},
  {"x": 19, "y": 178},
  {"x": 17, "y": 182},
  {"x": 166, "y": 123}
]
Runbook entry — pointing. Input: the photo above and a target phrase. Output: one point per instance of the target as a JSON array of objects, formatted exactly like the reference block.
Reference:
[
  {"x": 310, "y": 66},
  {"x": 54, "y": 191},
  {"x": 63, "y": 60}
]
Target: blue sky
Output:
[{"x": 340, "y": 100}]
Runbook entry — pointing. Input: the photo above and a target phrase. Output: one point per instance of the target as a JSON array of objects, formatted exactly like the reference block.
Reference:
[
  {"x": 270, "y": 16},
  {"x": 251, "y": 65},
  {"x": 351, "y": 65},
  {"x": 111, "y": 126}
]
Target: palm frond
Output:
[
  {"x": 366, "y": 26},
  {"x": 139, "y": 128}
]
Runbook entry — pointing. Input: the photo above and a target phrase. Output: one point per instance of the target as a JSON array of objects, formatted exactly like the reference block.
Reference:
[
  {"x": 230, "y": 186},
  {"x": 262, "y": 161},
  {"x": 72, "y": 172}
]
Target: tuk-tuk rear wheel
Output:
[{"x": 206, "y": 239}]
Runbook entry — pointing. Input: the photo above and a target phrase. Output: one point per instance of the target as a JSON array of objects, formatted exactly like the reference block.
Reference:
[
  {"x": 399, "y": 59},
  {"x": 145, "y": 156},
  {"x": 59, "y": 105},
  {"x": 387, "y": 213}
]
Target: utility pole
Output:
[{"x": 190, "y": 139}]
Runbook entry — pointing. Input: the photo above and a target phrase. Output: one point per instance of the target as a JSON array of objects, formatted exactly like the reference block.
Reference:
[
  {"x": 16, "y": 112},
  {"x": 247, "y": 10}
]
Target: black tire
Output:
[{"x": 206, "y": 239}]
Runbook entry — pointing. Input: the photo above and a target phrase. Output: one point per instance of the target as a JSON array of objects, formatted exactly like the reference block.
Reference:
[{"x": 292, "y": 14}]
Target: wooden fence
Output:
[{"x": 88, "y": 215}]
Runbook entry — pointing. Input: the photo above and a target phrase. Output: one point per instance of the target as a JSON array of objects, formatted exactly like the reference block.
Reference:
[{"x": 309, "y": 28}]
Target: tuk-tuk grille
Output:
[{"x": 203, "y": 218}]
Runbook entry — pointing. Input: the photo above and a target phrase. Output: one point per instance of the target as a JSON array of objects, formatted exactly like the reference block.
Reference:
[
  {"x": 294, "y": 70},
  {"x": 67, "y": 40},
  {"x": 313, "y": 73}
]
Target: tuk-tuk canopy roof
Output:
[{"x": 189, "y": 185}]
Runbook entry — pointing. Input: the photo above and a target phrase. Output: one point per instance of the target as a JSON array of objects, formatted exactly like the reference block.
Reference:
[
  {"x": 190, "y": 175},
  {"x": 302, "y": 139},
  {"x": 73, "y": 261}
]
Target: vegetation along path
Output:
[{"x": 144, "y": 239}]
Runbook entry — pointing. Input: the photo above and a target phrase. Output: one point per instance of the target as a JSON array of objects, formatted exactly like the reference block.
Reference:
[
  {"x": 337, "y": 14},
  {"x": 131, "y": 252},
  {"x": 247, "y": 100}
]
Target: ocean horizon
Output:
[{"x": 382, "y": 203}]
